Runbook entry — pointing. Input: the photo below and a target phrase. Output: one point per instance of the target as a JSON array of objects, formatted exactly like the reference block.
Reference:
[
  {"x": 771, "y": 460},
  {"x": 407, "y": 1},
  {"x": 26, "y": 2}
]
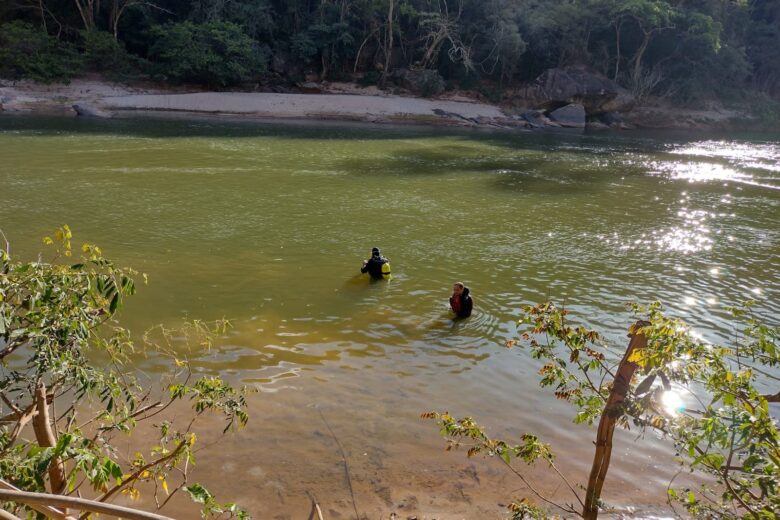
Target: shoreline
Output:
[
  {"x": 106, "y": 100},
  {"x": 341, "y": 103}
]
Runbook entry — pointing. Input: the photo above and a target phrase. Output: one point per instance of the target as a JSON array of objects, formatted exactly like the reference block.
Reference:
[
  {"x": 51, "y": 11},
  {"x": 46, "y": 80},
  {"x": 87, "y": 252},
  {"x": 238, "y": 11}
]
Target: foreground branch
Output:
[
  {"x": 31, "y": 499},
  {"x": 772, "y": 398},
  {"x": 45, "y": 510}
]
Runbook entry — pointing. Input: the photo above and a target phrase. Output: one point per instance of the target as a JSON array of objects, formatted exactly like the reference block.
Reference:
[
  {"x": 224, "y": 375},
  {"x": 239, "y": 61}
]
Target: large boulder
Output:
[
  {"x": 563, "y": 86},
  {"x": 570, "y": 116}
]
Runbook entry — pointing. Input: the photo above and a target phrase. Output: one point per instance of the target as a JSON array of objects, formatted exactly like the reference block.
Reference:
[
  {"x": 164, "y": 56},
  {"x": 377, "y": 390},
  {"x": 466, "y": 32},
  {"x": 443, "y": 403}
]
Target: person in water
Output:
[
  {"x": 378, "y": 267},
  {"x": 460, "y": 301}
]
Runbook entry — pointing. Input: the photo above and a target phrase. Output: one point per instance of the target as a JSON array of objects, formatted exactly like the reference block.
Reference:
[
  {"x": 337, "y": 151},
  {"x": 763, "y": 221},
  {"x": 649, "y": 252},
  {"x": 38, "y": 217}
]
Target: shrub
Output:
[
  {"x": 368, "y": 79},
  {"x": 213, "y": 54},
  {"x": 492, "y": 94},
  {"x": 428, "y": 83},
  {"x": 103, "y": 53},
  {"x": 27, "y": 52},
  {"x": 766, "y": 112}
]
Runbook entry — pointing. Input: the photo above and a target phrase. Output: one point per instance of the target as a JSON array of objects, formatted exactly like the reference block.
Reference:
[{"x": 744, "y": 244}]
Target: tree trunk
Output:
[
  {"x": 620, "y": 387},
  {"x": 360, "y": 49},
  {"x": 388, "y": 40},
  {"x": 46, "y": 439},
  {"x": 434, "y": 47},
  {"x": 618, "y": 27},
  {"x": 114, "y": 16},
  {"x": 640, "y": 53},
  {"x": 86, "y": 11},
  {"x": 43, "y": 16}
]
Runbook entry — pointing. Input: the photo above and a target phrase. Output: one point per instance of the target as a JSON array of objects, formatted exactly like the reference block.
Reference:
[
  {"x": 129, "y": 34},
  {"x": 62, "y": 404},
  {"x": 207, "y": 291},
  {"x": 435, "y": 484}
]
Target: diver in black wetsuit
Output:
[{"x": 378, "y": 267}]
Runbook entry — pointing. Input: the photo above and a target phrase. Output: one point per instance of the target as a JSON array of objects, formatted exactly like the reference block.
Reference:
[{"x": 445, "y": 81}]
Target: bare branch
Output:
[
  {"x": 45, "y": 509},
  {"x": 91, "y": 506},
  {"x": 772, "y": 398}
]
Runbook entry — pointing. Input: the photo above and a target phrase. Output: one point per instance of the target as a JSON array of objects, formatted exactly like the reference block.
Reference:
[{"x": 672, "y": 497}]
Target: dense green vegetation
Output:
[{"x": 686, "y": 49}]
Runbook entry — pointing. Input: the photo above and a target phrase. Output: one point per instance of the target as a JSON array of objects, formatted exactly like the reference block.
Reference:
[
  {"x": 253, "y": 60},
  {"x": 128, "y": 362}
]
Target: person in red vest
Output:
[{"x": 460, "y": 301}]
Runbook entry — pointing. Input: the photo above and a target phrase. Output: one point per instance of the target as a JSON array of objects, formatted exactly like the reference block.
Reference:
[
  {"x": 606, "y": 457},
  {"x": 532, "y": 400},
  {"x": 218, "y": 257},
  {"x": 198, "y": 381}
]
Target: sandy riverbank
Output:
[
  {"x": 340, "y": 102},
  {"x": 109, "y": 99}
]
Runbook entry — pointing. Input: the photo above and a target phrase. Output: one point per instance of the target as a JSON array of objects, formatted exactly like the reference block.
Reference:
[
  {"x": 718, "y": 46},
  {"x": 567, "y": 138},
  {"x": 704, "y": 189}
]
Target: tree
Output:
[
  {"x": 118, "y": 8},
  {"x": 65, "y": 377},
  {"x": 763, "y": 40},
  {"x": 440, "y": 28},
  {"x": 650, "y": 17},
  {"x": 497, "y": 44},
  {"x": 328, "y": 39},
  {"x": 724, "y": 428}
]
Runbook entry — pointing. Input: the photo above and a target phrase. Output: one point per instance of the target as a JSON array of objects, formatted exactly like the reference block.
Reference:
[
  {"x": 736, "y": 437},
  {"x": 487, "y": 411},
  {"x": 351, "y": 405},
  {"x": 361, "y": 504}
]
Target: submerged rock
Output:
[
  {"x": 87, "y": 110},
  {"x": 535, "y": 118}
]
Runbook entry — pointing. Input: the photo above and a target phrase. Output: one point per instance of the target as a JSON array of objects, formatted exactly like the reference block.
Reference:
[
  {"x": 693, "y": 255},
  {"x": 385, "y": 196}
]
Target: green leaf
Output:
[
  {"x": 505, "y": 456},
  {"x": 198, "y": 493},
  {"x": 112, "y": 468},
  {"x": 644, "y": 386},
  {"x": 114, "y": 303}
]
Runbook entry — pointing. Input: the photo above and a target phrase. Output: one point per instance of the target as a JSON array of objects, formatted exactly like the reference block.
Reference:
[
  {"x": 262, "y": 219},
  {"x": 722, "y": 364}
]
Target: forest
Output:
[{"x": 688, "y": 51}]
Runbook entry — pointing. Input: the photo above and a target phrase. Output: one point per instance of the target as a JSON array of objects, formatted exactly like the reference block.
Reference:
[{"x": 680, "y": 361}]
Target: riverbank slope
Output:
[{"x": 340, "y": 101}]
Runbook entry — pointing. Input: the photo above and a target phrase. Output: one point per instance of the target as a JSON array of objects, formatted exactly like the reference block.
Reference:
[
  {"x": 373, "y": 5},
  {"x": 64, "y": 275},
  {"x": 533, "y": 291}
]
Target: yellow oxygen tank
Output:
[{"x": 386, "y": 271}]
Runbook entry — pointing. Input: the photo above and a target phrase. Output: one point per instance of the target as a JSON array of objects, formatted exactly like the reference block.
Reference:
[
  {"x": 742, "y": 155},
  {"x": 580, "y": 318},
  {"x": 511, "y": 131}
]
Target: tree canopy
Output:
[{"x": 690, "y": 50}]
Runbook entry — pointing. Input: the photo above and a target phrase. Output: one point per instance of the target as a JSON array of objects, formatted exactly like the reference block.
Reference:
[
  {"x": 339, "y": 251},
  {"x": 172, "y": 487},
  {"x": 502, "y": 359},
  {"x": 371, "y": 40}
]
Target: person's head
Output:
[
  {"x": 457, "y": 288},
  {"x": 375, "y": 251}
]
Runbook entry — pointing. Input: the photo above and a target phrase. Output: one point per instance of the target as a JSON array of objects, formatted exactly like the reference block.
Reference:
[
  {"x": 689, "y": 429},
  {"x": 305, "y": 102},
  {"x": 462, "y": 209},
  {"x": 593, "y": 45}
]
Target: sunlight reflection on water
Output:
[{"x": 744, "y": 163}]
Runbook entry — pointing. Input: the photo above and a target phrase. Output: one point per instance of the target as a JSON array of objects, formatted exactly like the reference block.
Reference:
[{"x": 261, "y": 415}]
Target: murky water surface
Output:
[{"x": 267, "y": 225}]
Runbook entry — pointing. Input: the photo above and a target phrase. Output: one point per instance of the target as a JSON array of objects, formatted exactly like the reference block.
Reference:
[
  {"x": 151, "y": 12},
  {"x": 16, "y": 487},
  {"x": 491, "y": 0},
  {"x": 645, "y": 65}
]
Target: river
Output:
[{"x": 266, "y": 224}]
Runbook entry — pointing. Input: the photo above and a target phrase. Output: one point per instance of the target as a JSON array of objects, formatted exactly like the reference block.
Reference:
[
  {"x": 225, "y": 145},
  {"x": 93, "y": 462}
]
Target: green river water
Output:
[{"x": 267, "y": 224}]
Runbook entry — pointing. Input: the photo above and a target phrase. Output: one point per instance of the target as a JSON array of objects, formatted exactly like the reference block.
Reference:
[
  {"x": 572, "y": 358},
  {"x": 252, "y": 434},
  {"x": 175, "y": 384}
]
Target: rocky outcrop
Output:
[
  {"x": 570, "y": 116},
  {"x": 535, "y": 118},
  {"x": 611, "y": 118},
  {"x": 88, "y": 110},
  {"x": 555, "y": 88},
  {"x": 309, "y": 87}
]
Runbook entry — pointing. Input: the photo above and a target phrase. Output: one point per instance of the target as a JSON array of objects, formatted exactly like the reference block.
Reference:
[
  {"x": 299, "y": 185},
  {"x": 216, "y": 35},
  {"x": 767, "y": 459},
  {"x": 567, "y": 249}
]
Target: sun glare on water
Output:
[
  {"x": 741, "y": 163},
  {"x": 672, "y": 402}
]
